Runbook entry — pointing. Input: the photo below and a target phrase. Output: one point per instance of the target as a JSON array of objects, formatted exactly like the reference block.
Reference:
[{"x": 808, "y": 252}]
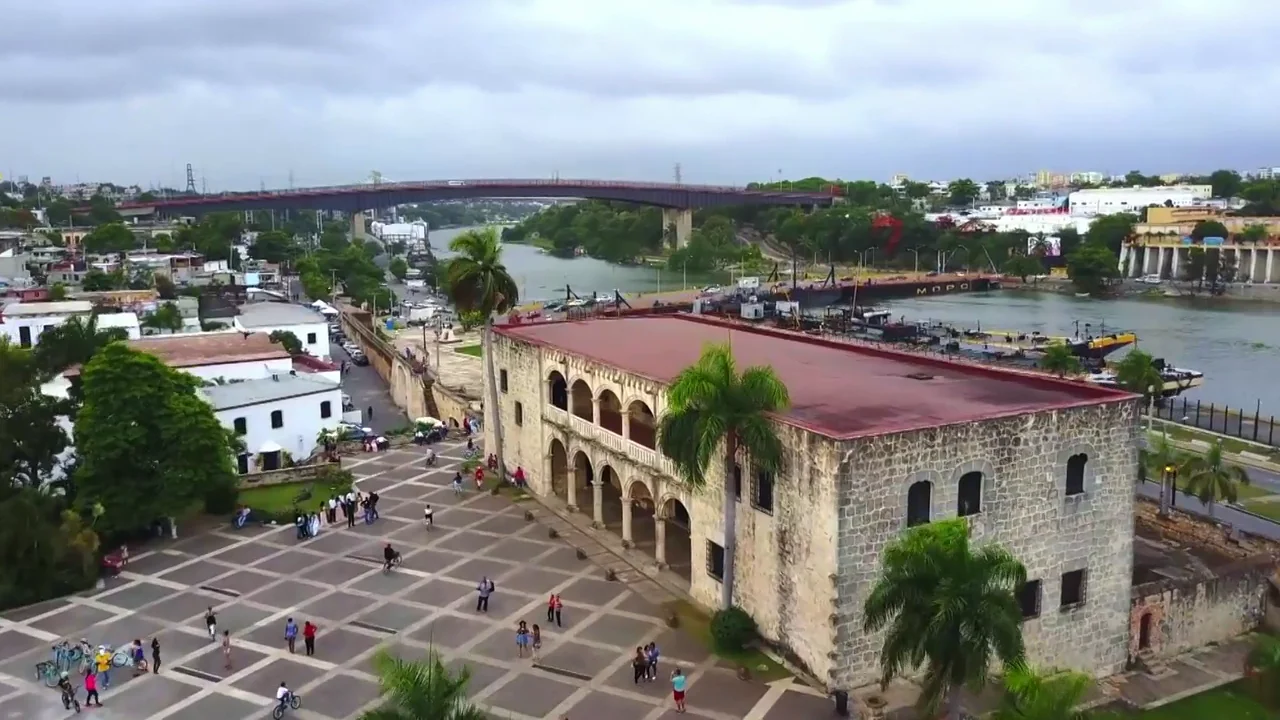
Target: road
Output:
[
  {"x": 1233, "y": 422},
  {"x": 368, "y": 390},
  {"x": 1237, "y": 519}
]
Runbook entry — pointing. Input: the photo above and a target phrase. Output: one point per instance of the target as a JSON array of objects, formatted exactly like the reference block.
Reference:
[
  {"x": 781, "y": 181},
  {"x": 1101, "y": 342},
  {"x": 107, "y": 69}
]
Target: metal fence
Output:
[{"x": 1236, "y": 422}]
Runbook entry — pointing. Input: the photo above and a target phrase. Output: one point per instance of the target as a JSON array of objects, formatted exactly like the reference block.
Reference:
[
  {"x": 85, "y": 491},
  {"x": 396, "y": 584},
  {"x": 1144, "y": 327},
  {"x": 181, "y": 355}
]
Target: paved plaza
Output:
[{"x": 257, "y": 577}]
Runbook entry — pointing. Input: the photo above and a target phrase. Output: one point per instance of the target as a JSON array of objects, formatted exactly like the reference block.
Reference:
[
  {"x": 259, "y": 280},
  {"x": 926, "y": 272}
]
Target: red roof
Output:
[{"x": 837, "y": 389}]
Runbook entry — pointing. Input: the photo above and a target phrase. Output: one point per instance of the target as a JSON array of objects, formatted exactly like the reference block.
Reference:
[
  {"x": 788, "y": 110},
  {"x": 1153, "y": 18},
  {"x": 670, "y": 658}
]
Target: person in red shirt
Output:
[
  {"x": 309, "y": 637},
  {"x": 519, "y": 476},
  {"x": 479, "y": 478}
]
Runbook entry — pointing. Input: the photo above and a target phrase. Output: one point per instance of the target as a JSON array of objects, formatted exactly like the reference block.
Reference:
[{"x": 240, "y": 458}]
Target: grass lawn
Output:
[
  {"x": 697, "y": 624},
  {"x": 472, "y": 350},
  {"x": 1229, "y": 702},
  {"x": 279, "y": 498},
  {"x": 1231, "y": 445},
  {"x": 1265, "y": 509}
]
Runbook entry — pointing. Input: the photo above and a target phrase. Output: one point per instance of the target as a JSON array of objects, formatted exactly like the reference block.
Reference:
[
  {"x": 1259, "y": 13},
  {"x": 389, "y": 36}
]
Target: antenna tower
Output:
[
  {"x": 678, "y": 175},
  {"x": 191, "y": 180}
]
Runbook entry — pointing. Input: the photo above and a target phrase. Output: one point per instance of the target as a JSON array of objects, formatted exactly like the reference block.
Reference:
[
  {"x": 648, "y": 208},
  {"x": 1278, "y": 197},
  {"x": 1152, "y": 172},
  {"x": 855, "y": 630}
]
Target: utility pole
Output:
[
  {"x": 191, "y": 180},
  {"x": 678, "y": 176}
]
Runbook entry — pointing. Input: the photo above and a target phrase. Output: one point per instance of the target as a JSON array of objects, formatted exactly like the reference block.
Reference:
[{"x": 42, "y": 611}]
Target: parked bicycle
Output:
[
  {"x": 295, "y": 702},
  {"x": 48, "y": 673}
]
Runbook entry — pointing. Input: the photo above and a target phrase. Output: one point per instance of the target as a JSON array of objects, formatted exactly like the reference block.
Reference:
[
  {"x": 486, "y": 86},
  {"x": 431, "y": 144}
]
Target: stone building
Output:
[{"x": 876, "y": 441}]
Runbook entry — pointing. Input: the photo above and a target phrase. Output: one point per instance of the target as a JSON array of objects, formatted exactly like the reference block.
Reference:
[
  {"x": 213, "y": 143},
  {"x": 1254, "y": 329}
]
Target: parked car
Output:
[{"x": 359, "y": 358}]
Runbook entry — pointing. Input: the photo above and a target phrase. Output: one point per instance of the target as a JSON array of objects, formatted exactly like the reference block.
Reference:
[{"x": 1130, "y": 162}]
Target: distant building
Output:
[
  {"x": 309, "y": 326},
  {"x": 24, "y": 322},
  {"x": 280, "y": 418},
  {"x": 1106, "y": 201}
]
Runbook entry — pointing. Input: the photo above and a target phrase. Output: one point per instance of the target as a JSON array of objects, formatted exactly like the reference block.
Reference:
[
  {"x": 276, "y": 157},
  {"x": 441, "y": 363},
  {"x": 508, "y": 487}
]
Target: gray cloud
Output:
[{"x": 734, "y": 89}]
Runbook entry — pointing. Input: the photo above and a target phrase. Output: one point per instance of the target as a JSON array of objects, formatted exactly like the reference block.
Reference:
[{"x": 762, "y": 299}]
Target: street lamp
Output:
[
  {"x": 916, "y": 253},
  {"x": 943, "y": 269}
]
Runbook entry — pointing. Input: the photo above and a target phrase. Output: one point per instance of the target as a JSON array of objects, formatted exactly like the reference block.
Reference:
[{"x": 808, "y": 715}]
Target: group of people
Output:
[
  {"x": 351, "y": 506},
  {"x": 98, "y": 673}
]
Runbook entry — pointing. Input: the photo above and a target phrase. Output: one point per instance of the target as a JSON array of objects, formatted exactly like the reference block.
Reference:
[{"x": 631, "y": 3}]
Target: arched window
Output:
[
  {"x": 969, "y": 494},
  {"x": 1076, "y": 465},
  {"x": 919, "y": 503}
]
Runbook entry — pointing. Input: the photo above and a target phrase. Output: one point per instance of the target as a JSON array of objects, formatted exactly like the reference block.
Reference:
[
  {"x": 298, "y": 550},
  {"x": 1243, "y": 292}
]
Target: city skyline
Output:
[{"x": 734, "y": 90}]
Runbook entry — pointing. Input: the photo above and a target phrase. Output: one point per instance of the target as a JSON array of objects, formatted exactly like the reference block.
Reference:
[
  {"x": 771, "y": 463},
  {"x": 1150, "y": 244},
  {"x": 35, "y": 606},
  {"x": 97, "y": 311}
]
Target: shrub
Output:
[
  {"x": 732, "y": 629},
  {"x": 221, "y": 499},
  {"x": 335, "y": 479}
]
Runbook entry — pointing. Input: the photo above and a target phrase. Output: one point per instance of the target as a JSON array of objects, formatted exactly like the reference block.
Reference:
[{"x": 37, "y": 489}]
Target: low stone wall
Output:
[
  {"x": 297, "y": 473},
  {"x": 411, "y": 389}
]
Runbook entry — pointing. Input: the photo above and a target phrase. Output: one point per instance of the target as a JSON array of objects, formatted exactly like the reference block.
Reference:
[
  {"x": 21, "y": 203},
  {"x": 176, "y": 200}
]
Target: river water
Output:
[{"x": 1235, "y": 345}]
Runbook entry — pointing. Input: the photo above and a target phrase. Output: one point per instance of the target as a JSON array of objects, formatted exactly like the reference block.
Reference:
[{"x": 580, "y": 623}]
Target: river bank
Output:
[{"x": 1133, "y": 289}]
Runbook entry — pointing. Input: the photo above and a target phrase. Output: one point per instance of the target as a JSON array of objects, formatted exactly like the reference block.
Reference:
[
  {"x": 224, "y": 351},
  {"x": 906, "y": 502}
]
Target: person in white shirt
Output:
[
  {"x": 428, "y": 515},
  {"x": 282, "y": 694}
]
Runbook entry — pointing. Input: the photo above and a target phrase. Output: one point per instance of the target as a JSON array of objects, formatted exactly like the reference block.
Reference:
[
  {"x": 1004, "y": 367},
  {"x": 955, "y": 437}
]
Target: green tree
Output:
[
  {"x": 711, "y": 405},
  {"x": 949, "y": 607},
  {"x": 163, "y": 242},
  {"x": 1160, "y": 459},
  {"x": 73, "y": 343},
  {"x": 148, "y": 445},
  {"x": 962, "y": 192},
  {"x": 1059, "y": 359},
  {"x": 1226, "y": 183},
  {"x": 54, "y": 237},
  {"x": 477, "y": 281},
  {"x": 1210, "y": 478},
  {"x": 1193, "y": 268},
  {"x": 1209, "y": 229},
  {"x": 109, "y": 238},
  {"x": 165, "y": 317},
  {"x": 57, "y": 292},
  {"x": 1262, "y": 669},
  {"x": 44, "y": 552},
  {"x": 272, "y": 246},
  {"x": 398, "y": 268},
  {"x": 288, "y": 341},
  {"x": 316, "y": 286},
  {"x": 165, "y": 288},
  {"x": 102, "y": 211},
  {"x": 30, "y": 437},
  {"x": 421, "y": 690},
  {"x": 1111, "y": 231},
  {"x": 1068, "y": 240},
  {"x": 1029, "y": 695},
  {"x": 1091, "y": 267},
  {"x": 1255, "y": 233},
  {"x": 1022, "y": 266},
  {"x": 1137, "y": 373}
]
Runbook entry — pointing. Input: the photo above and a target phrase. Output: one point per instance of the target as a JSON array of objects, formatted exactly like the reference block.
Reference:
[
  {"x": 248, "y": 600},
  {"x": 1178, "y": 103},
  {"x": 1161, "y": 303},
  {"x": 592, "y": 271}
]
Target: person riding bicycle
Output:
[
  {"x": 282, "y": 695},
  {"x": 431, "y": 457},
  {"x": 390, "y": 555},
  {"x": 68, "y": 691}
]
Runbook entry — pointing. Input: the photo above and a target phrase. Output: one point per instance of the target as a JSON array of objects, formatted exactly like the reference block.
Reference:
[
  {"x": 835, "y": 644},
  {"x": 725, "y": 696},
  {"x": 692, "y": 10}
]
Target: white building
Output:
[
  {"x": 279, "y": 417},
  {"x": 1106, "y": 201},
  {"x": 308, "y": 325},
  {"x": 23, "y": 323}
]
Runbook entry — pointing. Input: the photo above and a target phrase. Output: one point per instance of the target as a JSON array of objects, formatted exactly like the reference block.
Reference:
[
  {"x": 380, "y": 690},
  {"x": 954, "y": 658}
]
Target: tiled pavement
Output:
[{"x": 257, "y": 577}]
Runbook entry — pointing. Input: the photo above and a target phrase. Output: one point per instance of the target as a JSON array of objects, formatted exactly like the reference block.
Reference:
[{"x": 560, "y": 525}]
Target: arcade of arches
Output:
[
  {"x": 636, "y": 422},
  {"x": 660, "y": 531}
]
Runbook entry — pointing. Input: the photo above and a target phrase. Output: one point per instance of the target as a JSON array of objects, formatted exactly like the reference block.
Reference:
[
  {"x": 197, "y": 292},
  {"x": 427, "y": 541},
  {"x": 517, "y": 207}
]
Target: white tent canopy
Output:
[{"x": 269, "y": 447}]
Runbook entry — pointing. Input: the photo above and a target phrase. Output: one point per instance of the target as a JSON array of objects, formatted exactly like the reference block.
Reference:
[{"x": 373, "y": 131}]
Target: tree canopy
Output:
[{"x": 148, "y": 445}]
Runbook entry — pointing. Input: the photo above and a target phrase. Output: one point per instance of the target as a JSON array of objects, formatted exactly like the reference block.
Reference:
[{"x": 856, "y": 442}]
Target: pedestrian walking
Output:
[
  {"x": 91, "y": 691},
  {"x": 226, "y": 647},
  {"x": 309, "y": 637},
  {"x": 484, "y": 590},
  {"x": 522, "y": 638},
  {"x": 638, "y": 665},
  {"x": 551, "y": 608},
  {"x": 678, "y": 684},
  {"x": 537, "y": 642},
  {"x": 559, "y": 607},
  {"x": 370, "y": 411},
  {"x": 333, "y": 510},
  {"x": 652, "y": 654},
  {"x": 155, "y": 655},
  {"x": 351, "y": 512},
  {"x": 290, "y": 633},
  {"x": 211, "y": 623}
]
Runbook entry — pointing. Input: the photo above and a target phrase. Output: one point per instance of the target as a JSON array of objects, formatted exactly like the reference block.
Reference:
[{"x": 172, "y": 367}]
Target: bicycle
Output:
[
  {"x": 295, "y": 702},
  {"x": 66, "y": 655},
  {"x": 48, "y": 673},
  {"x": 392, "y": 563},
  {"x": 122, "y": 658}
]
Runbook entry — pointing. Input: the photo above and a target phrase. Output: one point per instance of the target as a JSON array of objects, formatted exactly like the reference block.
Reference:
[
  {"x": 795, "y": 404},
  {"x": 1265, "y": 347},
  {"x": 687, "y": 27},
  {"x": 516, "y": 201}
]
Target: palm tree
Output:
[
  {"x": 478, "y": 282},
  {"x": 710, "y": 403},
  {"x": 1059, "y": 359},
  {"x": 1137, "y": 373},
  {"x": 1031, "y": 696},
  {"x": 421, "y": 690},
  {"x": 73, "y": 343},
  {"x": 1210, "y": 478},
  {"x": 949, "y": 607},
  {"x": 1162, "y": 460}
]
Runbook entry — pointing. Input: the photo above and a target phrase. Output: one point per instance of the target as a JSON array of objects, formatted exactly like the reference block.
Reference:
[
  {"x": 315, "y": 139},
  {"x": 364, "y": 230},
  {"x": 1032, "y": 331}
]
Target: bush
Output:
[
  {"x": 221, "y": 500},
  {"x": 732, "y": 630},
  {"x": 335, "y": 479}
]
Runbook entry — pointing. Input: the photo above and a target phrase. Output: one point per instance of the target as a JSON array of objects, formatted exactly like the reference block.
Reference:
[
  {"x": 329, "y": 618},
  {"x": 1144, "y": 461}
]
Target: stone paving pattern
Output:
[{"x": 257, "y": 577}]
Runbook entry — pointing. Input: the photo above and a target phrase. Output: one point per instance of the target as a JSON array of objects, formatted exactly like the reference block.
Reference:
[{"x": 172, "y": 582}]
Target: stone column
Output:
[
  {"x": 571, "y": 488},
  {"x": 1270, "y": 256},
  {"x": 1173, "y": 270},
  {"x": 1160, "y": 261},
  {"x": 682, "y": 220},
  {"x": 357, "y": 226},
  {"x": 1253, "y": 265},
  {"x": 597, "y": 504},
  {"x": 1126, "y": 259},
  {"x": 660, "y": 539},
  {"x": 626, "y": 522},
  {"x": 595, "y": 411},
  {"x": 626, "y": 424}
]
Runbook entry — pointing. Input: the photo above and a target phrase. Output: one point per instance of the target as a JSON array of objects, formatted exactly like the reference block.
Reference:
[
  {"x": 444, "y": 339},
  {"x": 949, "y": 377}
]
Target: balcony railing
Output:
[{"x": 611, "y": 440}]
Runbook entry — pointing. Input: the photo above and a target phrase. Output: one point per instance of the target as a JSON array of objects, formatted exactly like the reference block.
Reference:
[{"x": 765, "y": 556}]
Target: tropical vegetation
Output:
[
  {"x": 1211, "y": 479},
  {"x": 1029, "y": 695},
  {"x": 716, "y": 413},
  {"x": 949, "y": 607},
  {"x": 478, "y": 282},
  {"x": 421, "y": 690},
  {"x": 1059, "y": 359}
]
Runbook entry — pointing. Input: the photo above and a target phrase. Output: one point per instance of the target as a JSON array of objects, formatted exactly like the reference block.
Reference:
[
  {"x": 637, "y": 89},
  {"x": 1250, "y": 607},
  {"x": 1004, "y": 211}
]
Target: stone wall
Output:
[
  {"x": 1181, "y": 615},
  {"x": 411, "y": 390},
  {"x": 297, "y": 473},
  {"x": 1024, "y": 508}
]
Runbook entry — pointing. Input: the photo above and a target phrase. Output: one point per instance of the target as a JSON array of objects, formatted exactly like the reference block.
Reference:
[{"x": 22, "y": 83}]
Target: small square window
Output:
[
  {"x": 326, "y": 410},
  {"x": 762, "y": 492},
  {"x": 1029, "y": 599},
  {"x": 519, "y": 414},
  {"x": 311, "y": 338},
  {"x": 502, "y": 380},
  {"x": 241, "y": 425},
  {"x": 1073, "y": 587},
  {"x": 737, "y": 481},
  {"x": 715, "y": 561},
  {"x": 277, "y": 419}
]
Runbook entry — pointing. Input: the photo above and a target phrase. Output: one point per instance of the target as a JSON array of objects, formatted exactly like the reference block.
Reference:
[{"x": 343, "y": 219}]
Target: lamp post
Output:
[{"x": 916, "y": 253}]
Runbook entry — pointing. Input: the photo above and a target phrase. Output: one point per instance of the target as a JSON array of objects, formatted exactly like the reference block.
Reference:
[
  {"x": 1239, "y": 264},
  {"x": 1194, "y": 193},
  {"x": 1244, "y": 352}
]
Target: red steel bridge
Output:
[{"x": 370, "y": 196}]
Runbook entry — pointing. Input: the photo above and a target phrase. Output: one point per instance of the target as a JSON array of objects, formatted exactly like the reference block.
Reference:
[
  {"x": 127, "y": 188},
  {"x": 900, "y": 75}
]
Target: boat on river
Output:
[
  {"x": 1090, "y": 347},
  {"x": 1176, "y": 380}
]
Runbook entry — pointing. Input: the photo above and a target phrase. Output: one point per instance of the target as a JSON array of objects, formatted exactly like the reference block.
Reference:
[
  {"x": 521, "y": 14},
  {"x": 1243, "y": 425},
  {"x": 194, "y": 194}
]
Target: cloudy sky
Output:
[{"x": 249, "y": 91}]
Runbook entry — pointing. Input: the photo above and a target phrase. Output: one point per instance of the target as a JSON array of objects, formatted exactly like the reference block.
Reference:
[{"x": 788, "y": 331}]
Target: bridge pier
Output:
[
  {"x": 357, "y": 226},
  {"x": 682, "y": 220}
]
